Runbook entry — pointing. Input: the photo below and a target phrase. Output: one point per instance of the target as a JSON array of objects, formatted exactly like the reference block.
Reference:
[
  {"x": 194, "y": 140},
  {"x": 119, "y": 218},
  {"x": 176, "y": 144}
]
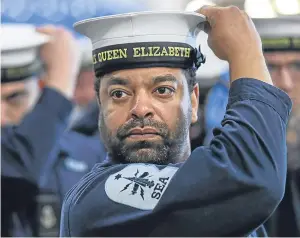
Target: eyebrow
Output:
[
  {"x": 155, "y": 80},
  {"x": 164, "y": 78},
  {"x": 15, "y": 94},
  {"x": 117, "y": 81}
]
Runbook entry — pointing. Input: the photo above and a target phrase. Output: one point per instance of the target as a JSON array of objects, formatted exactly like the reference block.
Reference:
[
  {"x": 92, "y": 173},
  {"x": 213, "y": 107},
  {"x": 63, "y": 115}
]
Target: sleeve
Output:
[
  {"x": 228, "y": 188},
  {"x": 235, "y": 184},
  {"x": 26, "y": 146}
]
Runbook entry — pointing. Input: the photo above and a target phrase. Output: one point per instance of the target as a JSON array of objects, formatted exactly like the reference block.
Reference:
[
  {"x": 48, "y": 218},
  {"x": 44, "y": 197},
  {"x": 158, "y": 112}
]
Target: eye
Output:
[
  {"x": 118, "y": 94},
  {"x": 272, "y": 67},
  {"x": 295, "y": 66},
  {"x": 16, "y": 99},
  {"x": 164, "y": 91}
]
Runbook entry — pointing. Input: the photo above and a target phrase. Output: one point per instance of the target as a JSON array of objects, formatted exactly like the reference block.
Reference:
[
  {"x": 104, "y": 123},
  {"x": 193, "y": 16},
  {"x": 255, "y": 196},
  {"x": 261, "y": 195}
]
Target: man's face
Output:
[
  {"x": 285, "y": 72},
  {"x": 146, "y": 114},
  {"x": 16, "y": 100}
]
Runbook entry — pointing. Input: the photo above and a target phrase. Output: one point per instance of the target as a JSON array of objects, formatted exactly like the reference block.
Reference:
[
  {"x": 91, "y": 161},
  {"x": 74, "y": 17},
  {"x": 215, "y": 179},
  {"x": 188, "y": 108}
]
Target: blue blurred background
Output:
[{"x": 63, "y": 12}]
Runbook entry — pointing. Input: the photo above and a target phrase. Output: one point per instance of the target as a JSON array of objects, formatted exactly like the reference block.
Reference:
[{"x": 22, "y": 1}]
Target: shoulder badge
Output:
[{"x": 139, "y": 185}]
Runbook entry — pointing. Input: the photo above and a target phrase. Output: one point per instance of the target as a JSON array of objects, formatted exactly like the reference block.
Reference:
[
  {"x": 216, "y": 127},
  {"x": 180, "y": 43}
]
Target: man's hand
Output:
[
  {"x": 232, "y": 37},
  {"x": 62, "y": 59}
]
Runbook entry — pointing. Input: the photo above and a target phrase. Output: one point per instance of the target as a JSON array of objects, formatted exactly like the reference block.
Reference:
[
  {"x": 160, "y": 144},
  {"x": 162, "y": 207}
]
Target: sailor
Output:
[
  {"x": 75, "y": 154},
  {"x": 281, "y": 43},
  {"x": 37, "y": 121},
  {"x": 84, "y": 90},
  {"x": 151, "y": 184}
]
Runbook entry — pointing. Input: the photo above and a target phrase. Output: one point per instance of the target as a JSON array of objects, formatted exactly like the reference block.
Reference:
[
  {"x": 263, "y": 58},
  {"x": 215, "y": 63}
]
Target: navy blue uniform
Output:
[
  {"x": 78, "y": 150},
  {"x": 25, "y": 148},
  {"x": 285, "y": 221},
  {"x": 226, "y": 189}
]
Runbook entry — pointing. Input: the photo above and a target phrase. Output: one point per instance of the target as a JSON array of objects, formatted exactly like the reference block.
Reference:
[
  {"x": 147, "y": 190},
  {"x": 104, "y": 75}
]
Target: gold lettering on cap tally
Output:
[
  {"x": 110, "y": 55},
  {"x": 156, "y": 50},
  {"x": 142, "y": 51},
  {"x": 161, "y": 51},
  {"x": 164, "y": 52},
  {"x": 144, "y": 54},
  {"x": 171, "y": 51},
  {"x": 150, "y": 51},
  {"x": 187, "y": 52},
  {"x": 136, "y": 52},
  {"x": 94, "y": 59},
  {"x": 123, "y": 53},
  {"x": 116, "y": 56},
  {"x": 177, "y": 51}
]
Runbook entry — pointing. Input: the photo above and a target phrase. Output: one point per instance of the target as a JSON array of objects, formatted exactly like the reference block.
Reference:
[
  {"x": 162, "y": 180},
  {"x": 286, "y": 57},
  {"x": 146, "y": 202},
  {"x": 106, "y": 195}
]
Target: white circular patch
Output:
[{"x": 139, "y": 185}]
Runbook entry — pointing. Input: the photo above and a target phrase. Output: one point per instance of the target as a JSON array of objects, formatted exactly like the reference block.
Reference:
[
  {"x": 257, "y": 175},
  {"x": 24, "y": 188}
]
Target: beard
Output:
[{"x": 169, "y": 149}]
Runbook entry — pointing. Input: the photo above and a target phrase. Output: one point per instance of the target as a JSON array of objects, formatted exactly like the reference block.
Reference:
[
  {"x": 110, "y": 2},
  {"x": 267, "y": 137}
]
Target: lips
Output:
[{"x": 143, "y": 131}]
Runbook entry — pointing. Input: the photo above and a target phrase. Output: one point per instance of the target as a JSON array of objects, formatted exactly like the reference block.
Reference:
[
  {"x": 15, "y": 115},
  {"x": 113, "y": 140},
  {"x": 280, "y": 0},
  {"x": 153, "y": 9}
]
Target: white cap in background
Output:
[
  {"x": 86, "y": 49},
  {"x": 19, "y": 44},
  {"x": 279, "y": 34},
  {"x": 19, "y": 51}
]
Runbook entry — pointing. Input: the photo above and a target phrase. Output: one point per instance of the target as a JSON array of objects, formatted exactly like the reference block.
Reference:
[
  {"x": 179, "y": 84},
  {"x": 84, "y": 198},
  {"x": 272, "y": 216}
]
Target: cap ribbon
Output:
[
  {"x": 281, "y": 44},
  {"x": 13, "y": 74},
  {"x": 146, "y": 54}
]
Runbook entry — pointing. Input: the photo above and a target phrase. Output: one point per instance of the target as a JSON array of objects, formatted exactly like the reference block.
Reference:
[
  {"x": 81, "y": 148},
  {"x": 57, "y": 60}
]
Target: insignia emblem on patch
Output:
[{"x": 139, "y": 185}]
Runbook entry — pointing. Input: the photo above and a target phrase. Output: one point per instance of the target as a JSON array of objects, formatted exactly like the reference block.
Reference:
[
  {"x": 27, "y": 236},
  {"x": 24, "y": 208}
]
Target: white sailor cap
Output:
[
  {"x": 19, "y": 51},
  {"x": 279, "y": 34},
  {"x": 144, "y": 39},
  {"x": 86, "y": 49}
]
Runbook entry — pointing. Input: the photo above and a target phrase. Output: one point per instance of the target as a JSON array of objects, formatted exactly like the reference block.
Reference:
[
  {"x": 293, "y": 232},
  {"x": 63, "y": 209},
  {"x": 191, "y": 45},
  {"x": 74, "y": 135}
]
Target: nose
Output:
[
  {"x": 285, "y": 81},
  {"x": 142, "y": 106}
]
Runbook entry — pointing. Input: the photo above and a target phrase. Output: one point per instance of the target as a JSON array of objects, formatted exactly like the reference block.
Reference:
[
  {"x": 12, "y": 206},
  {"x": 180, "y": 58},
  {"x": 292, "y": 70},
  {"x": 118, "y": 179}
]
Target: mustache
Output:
[{"x": 124, "y": 131}]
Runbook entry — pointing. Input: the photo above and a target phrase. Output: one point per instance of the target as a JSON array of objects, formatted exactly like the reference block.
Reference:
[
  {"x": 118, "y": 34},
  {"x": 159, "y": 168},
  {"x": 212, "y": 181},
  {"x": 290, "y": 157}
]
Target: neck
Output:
[{"x": 184, "y": 155}]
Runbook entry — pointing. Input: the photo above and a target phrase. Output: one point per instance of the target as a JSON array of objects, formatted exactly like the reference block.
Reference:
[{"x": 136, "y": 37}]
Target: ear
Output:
[
  {"x": 195, "y": 103},
  {"x": 41, "y": 84}
]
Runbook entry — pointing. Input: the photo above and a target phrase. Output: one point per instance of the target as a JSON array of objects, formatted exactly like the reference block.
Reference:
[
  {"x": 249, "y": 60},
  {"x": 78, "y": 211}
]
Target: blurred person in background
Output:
[
  {"x": 76, "y": 153},
  {"x": 17, "y": 99},
  {"x": 84, "y": 91},
  {"x": 26, "y": 145},
  {"x": 281, "y": 43},
  {"x": 20, "y": 71},
  {"x": 152, "y": 184}
]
